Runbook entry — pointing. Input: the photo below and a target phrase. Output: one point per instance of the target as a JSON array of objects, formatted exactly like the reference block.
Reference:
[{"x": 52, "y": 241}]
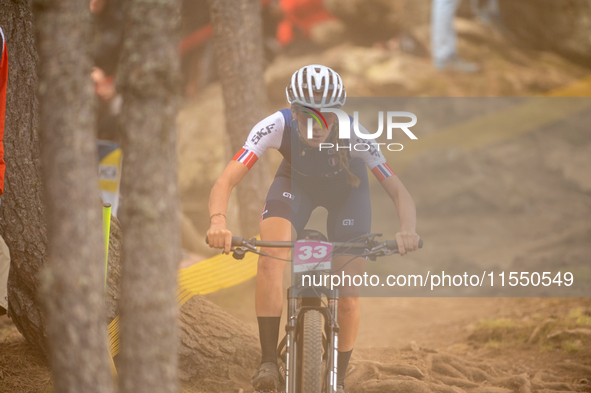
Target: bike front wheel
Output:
[{"x": 312, "y": 349}]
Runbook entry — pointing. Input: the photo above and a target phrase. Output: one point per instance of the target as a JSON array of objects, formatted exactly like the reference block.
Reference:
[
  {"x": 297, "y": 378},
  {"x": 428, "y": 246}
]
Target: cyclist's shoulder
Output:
[
  {"x": 267, "y": 133},
  {"x": 276, "y": 120}
]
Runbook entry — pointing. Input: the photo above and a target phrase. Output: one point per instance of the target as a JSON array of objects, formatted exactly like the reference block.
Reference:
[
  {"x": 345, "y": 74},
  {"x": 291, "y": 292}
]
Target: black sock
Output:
[
  {"x": 268, "y": 334},
  {"x": 342, "y": 363}
]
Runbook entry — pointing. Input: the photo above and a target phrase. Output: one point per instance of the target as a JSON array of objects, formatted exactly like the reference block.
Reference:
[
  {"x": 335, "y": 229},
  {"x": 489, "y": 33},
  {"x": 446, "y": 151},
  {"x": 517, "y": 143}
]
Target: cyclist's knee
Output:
[{"x": 271, "y": 265}]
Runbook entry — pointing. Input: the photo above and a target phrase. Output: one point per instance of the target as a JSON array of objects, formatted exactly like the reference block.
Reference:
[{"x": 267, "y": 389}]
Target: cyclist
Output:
[{"x": 308, "y": 177}]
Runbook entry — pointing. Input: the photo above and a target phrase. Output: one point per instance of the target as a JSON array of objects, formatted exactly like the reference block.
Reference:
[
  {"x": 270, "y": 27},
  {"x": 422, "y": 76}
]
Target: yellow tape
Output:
[
  {"x": 580, "y": 88},
  {"x": 210, "y": 275}
]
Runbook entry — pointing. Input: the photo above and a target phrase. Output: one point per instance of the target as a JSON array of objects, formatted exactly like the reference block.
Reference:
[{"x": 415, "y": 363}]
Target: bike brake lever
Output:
[
  {"x": 370, "y": 237},
  {"x": 380, "y": 251},
  {"x": 239, "y": 252}
]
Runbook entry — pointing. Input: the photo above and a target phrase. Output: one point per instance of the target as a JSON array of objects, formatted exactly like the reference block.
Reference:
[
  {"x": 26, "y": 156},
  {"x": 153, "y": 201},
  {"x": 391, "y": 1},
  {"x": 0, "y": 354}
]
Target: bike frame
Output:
[{"x": 301, "y": 300}]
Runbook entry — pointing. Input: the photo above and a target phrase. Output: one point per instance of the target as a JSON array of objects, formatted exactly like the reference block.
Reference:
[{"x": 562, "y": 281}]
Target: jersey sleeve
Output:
[
  {"x": 266, "y": 134},
  {"x": 371, "y": 155}
]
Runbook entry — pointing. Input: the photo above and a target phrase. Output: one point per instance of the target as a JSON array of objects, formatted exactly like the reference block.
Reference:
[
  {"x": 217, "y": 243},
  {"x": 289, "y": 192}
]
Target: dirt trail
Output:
[
  {"x": 519, "y": 202},
  {"x": 429, "y": 322},
  {"x": 514, "y": 204}
]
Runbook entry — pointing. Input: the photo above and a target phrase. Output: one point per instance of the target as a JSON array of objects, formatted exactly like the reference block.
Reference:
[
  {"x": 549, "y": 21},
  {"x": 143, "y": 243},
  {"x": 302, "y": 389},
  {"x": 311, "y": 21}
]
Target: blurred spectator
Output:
[
  {"x": 4, "y": 254},
  {"x": 108, "y": 40},
  {"x": 109, "y": 106},
  {"x": 299, "y": 17},
  {"x": 444, "y": 38},
  {"x": 108, "y": 37}
]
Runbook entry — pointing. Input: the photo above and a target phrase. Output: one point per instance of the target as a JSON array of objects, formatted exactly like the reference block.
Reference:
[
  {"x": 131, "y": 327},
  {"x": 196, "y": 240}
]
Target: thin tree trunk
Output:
[
  {"x": 23, "y": 213},
  {"x": 217, "y": 352},
  {"x": 150, "y": 207},
  {"x": 73, "y": 280},
  {"x": 239, "y": 55}
]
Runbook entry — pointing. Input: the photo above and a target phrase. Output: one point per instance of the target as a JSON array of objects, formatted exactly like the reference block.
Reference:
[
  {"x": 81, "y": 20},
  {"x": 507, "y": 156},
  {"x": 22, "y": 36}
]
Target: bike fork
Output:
[
  {"x": 291, "y": 346},
  {"x": 333, "y": 338}
]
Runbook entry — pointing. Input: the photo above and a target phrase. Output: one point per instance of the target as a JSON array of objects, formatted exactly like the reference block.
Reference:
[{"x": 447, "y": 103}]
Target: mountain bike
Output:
[{"x": 307, "y": 354}]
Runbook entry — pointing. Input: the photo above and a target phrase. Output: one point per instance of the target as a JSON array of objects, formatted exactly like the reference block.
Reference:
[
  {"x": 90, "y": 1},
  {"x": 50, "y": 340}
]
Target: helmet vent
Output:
[{"x": 317, "y": 86}]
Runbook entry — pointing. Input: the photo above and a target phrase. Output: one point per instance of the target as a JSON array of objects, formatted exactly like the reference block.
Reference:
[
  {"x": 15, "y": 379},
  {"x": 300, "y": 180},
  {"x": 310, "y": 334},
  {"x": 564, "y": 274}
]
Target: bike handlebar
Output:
[{"x": 240, "y": 241}]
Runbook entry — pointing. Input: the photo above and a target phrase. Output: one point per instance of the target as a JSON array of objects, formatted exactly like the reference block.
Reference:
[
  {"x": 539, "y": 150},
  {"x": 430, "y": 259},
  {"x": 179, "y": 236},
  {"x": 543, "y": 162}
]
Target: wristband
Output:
[{"x": 217, "y": 214}]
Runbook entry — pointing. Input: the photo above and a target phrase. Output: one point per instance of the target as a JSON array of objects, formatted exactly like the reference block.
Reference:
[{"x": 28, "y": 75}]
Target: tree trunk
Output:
[
  {"x": 239, "y": 55},
  {"x": 23, "y": 213},
  {"x": 217, "y": 353},
  {"x": 150, "y": 207},
  {"x": 72, "y": 282}
]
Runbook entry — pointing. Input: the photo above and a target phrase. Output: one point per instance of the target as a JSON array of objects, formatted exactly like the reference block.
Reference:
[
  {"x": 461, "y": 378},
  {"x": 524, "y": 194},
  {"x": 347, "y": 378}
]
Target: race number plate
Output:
[{"x": 311, "y": 255}]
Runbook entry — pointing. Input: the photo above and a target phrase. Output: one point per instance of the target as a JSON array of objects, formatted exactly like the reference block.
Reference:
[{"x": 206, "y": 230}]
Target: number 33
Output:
[{"x": 306, "y": 252}]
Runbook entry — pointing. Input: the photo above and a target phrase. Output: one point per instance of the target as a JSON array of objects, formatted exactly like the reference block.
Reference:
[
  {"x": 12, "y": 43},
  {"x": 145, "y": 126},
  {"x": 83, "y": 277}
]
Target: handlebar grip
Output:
[
  {"x": 237, "y": 241},
  {"x": 392, "y": 245}
]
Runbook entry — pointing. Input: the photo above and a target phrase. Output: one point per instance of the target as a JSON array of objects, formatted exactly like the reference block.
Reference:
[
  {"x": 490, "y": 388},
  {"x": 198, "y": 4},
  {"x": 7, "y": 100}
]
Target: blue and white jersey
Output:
[{"x": 280, "y": 131}]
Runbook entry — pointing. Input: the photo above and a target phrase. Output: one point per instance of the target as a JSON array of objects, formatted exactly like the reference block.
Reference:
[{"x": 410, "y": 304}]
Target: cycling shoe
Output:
[{"x": 266, "y": 378}]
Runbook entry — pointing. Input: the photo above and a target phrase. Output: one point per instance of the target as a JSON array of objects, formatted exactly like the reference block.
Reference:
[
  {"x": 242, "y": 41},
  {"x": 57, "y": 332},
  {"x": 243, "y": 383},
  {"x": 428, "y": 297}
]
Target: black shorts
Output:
[{"x": 349, "y": 208}]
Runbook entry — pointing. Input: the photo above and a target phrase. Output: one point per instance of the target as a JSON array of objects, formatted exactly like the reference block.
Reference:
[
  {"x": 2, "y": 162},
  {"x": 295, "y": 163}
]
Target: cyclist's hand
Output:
[
  {"x": 407, "y": 242},
  {"x": 219, "y": 237}
]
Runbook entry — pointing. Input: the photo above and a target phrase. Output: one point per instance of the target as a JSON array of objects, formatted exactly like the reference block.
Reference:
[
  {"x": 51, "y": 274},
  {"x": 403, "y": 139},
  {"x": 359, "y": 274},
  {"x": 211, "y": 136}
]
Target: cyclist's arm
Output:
[
  {"x": 407, "y": 238},
  {"x": 264, "y": 135},
  {"x": 219, "y": 236},
  {"x": 407, "y": 212}
]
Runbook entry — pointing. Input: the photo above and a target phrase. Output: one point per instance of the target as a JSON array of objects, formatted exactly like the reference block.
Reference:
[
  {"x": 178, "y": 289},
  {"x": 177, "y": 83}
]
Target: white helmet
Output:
[{"x": 316, "y": 79}]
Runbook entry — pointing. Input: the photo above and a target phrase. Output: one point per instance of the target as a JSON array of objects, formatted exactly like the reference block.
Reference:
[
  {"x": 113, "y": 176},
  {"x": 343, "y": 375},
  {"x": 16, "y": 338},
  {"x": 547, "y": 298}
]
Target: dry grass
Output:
[{"x": 538, "y": 331}]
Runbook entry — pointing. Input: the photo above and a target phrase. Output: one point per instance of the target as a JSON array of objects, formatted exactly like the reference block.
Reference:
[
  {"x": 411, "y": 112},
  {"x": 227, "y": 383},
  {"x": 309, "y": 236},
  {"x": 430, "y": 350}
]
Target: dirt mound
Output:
[
  {"x": 384, "y": 69},
  {"x": 558, "y": 25},
  {"x": 216, "y": 349}
]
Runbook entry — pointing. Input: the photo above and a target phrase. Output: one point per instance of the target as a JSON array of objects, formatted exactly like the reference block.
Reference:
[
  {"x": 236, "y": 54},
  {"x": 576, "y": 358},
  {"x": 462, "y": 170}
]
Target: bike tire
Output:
[{"x": 311, "y": 341}]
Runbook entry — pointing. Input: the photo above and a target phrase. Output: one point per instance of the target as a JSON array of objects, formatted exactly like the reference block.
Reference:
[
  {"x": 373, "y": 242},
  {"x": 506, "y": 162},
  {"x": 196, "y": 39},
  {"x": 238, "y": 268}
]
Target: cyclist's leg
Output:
[
  {"x": 287, "y": 210},
  {"x": 276, "y": 225},
  {"x": 269, "y": 280}
]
